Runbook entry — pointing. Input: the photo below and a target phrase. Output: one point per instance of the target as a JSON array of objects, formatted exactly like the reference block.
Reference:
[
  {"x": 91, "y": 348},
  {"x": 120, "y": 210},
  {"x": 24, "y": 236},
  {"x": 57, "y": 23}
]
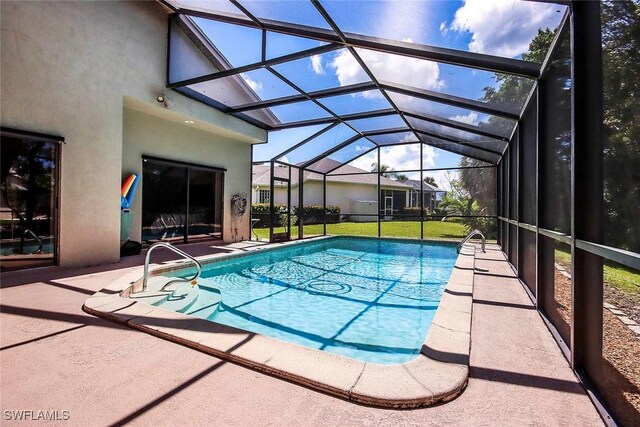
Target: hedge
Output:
[{"x": 312, "y": 214}]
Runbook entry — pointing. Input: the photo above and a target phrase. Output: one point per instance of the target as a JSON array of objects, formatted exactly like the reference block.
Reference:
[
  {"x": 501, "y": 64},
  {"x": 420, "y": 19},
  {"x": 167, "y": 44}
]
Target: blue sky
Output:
[{"x": 496, "y": 27}]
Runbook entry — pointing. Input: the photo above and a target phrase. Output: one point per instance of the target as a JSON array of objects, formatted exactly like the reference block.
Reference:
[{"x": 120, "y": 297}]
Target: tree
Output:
[
  {"x": 431, "y": 181},
  {"x": 385, "y": 170},
  {"x": 473, "y": 192},
  {"x": 472, "y": 195},
  {"x": 513, "y": 90},
  {"x": 401, "y": 177},
  {"x": 621, "y": 93}
]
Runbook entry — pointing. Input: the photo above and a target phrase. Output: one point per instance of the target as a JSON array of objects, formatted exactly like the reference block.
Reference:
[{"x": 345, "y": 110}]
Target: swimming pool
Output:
[
  {"x": 364, "y": 298},
  {"x": 336, "y": 314}
]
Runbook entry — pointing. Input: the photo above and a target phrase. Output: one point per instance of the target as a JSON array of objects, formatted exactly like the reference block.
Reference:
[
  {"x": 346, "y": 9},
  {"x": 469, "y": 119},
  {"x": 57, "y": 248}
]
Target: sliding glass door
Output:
[
  {"x": 28, "y": 213},
  {"x": 180, "y": 202}
]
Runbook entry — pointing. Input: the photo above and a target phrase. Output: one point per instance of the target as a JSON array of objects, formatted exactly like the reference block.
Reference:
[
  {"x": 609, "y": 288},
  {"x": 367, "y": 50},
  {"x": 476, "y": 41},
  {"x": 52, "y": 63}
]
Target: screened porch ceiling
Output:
[{"x": 338, "y": 79}]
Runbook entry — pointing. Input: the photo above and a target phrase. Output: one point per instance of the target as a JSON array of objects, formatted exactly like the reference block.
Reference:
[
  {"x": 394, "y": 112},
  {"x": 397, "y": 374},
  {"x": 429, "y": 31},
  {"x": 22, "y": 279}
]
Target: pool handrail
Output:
[
  {"x": 474, "y": 233},
  {"x": 38, "y": 239},
  {"x": 179, "y": 252}
]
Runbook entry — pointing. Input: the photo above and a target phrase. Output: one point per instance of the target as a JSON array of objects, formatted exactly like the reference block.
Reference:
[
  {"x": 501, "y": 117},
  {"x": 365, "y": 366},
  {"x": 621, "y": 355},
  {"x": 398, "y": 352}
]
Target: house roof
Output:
[
  {"x": 261, "y": 175},
  {"x": 415, "y": 184}
]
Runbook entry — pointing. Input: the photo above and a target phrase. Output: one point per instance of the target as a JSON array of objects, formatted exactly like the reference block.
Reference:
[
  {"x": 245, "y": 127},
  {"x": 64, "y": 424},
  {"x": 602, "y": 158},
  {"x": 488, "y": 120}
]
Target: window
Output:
[{"x": 264, "y": 196}]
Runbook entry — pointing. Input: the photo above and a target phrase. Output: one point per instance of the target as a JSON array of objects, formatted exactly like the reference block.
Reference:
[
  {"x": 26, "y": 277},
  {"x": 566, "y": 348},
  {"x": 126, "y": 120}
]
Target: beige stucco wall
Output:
[
  {"x": 66, "y": 68},
  {"x": 338, "y": 193},
  {"x": 145, "y": 134}
]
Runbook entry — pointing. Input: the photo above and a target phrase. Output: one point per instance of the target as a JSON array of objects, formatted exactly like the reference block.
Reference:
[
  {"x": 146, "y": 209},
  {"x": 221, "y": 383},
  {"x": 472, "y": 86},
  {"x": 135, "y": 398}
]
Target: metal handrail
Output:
[
  {"x": 38, "y": 239},
  {"x": 470, "y": 236},
  {"x": 179, "y": 252}
]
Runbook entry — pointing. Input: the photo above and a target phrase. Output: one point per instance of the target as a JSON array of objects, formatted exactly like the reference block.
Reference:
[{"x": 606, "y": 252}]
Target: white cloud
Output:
[
  {"x": 409, "y": 137},
  {"x": 316, "y": 64},
  {"x": 443, "y": 28},
  {"x": 365, "y": 161},
  {"x": 386, "y": 66},
  {"x": 444, "y": 178},
  {"x": 254, "y": 85},
  {"x": 503, "y": 27},
  {"x": 470, "y": 119},
  {"x": 428, "y": 156},
  {"x": 403, "y": 19},
  {"x": 399, "y": 157},
  {"x": 404, "y": 157}
]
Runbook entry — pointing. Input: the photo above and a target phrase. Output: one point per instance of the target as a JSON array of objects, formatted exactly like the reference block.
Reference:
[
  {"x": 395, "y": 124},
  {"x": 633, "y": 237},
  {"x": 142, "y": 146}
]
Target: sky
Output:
[{"x": 497, "y": 27}]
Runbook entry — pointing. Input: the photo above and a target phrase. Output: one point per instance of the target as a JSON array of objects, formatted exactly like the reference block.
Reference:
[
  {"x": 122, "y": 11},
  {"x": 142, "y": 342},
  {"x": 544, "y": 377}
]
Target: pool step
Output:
[
  {"x": 205, "y": 307},
  {"x": 178, "y": 297},
  {"x": 183, "y": 297},
  {"x": 153, "y": 294}
]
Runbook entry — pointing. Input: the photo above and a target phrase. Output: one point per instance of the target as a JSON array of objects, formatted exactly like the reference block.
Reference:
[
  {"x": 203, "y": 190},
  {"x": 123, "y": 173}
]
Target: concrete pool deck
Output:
[{"x": 56, "y": 357}]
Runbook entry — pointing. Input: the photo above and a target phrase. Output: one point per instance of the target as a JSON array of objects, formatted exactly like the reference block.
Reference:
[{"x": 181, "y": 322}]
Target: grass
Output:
[
  {"x": 410, "y": 229},
  {"x": 618, "y": 276},
  {"x": 622, "y": 277}
]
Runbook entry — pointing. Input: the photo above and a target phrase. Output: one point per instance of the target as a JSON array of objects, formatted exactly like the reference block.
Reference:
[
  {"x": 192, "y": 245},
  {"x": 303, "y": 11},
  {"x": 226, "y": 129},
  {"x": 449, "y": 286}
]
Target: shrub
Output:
[
  {"x": 263, "y": 208},
  {"x": 311, "y": 214},
  {"x": 261, "y": 211},
  {"x": 314, "y": 214}
]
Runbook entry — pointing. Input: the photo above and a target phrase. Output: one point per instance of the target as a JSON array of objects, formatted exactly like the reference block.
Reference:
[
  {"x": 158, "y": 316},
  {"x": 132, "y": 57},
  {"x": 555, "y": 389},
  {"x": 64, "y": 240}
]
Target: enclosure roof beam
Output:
[
  {"x": 457, "y": 141},
  {"x": 345, "y": 117},
  {"x": 460, "y": 152},
  {"x": 453, "y": 124},
  {"x": 331, "y": 151},
  {"x": 387, "y": 131},
  {"x": 443, "y": 55},
  {"x": 360, "y": 61},
  {"x": 455, "y": 101},
  {"x": 341, "y": 90},
  {"x": 319, "y": 50},
  {"x": 364, "y": 153},
  {"x": 304, "y": 141}
]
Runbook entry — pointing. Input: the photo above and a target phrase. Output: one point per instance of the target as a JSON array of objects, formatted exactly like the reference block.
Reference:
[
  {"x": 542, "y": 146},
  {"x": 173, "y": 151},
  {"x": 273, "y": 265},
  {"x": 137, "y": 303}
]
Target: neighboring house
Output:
[
  {"x": 431, "y": 194},
  {"x": 355, "y": 194}
]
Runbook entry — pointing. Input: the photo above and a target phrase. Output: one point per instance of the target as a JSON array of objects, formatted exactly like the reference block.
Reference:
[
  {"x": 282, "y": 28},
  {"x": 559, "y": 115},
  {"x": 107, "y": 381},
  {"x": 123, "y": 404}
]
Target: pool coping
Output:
[{"x": 438, "y": 374}]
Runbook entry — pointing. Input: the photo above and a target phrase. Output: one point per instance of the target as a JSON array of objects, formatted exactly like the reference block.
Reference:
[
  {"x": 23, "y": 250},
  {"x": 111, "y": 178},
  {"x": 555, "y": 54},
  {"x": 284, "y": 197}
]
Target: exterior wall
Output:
[
  {"x": 145, "y": 134},
  {"x": 341, "y": 194},
  {"x": 67, "y": 68}
]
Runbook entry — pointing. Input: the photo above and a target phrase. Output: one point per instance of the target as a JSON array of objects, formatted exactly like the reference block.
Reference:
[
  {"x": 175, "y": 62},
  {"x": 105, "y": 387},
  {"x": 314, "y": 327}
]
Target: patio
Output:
[
  {"x": 348, "y": 108},
  {"x": 57, "y": 357}
]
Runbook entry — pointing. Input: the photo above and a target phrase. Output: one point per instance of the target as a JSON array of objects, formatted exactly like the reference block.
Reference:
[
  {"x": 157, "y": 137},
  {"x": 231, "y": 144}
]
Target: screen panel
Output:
[{"x": 555, "y": 142}]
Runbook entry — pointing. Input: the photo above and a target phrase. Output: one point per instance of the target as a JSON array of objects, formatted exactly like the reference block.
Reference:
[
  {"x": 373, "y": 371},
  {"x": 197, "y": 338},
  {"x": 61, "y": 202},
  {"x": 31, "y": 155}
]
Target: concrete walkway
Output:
[{"x": 53, "y": 356}]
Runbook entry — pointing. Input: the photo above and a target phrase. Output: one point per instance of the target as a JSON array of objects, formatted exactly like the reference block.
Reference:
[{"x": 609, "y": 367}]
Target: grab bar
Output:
[
  {"x": 39, "y": 240},
  {"x": 470, "y": 236},
  {"x": 179, "y": 252}
]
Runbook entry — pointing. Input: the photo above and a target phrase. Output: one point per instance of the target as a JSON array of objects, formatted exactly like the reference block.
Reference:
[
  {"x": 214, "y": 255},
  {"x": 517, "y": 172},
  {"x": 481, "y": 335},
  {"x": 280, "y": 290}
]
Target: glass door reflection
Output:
[
  {"x": 205, "y": 197},
  {"x": 28, "y": 214},
  {"x": 164, "y": 202},
  {"x": 181, "y": 202}
]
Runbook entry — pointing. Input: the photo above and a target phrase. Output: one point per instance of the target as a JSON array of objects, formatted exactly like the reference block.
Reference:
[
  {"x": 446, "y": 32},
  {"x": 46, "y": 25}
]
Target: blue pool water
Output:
[{"x": 369, "y": 299}]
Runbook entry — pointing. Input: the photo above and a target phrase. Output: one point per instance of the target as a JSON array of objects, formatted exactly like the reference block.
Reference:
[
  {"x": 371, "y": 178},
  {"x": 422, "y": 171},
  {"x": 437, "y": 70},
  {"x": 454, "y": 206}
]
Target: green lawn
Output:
[
  {"x": 411, "y": 229},
  {"x": 616, "y": 275}
]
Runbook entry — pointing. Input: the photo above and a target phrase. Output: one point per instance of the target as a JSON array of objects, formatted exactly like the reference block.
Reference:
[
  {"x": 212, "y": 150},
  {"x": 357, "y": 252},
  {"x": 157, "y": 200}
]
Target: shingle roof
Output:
[
  {"x": 261, "y": 175},
  {"x": 415, "y": 184}
]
